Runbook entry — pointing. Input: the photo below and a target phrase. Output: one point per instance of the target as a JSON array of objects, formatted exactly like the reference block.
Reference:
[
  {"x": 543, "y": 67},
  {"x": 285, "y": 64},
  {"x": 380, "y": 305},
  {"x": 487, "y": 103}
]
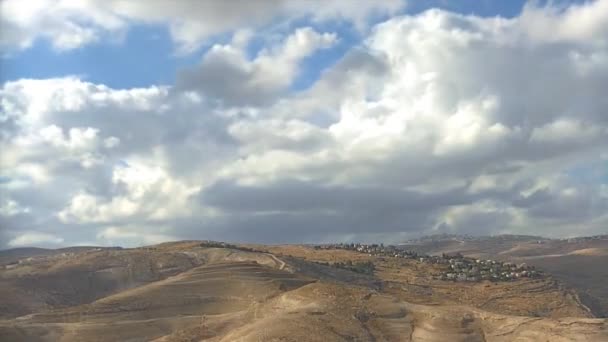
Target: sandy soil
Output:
[{"x": 182, "y": 292}]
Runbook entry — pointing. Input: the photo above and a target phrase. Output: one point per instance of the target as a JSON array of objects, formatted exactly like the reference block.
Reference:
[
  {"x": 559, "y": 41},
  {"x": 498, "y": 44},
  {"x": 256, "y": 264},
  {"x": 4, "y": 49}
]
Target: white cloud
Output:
[
  {"x": 130, "y": 236},
  {"x": 111, "y": 142},
  {"x": 35, "y": 173},
  {"x": 77, "y": 138},
  {"x": 470, "y": 126},
  {"x": 567, "y": 131},
  {"x": 34, "y": 106},
  {"x": 226, "y": 75},
  {"x": 9, "y": 207},
  {"x": 457, "y": 95},
  {"x": 72, "y": 24},
  {"x": 67, "y": 24},
  {"x": 436, "y": 121},
  {"x": 587, "y": 21},
  {"x": 483, "y": 218},
  {"x": 35, "y": 239},
  {"x": 260, "y": 135},
  {"x": 146, "y": 192}
]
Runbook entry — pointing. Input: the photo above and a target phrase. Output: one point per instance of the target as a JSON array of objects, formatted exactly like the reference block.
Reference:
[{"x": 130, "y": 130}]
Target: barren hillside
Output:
[
  {"x": 186, "y": 292},
  {"x": 577, "y": 263}
]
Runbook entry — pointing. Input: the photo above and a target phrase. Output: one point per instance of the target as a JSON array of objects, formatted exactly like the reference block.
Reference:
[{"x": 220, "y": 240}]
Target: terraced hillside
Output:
[
  {"x": 579, "y": 263},
  {"x": 185, "y": 292}
]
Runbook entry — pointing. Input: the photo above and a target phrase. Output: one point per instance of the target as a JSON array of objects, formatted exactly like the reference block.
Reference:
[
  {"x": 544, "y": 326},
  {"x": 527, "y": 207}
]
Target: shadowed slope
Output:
[{"x": 229, "y": 294}]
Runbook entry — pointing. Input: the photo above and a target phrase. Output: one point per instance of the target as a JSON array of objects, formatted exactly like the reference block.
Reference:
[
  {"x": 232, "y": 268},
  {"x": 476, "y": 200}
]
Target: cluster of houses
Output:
[
  {"x": 372, "y": 249},
  {"x": 474, "y": 270},
  {"x": 456, "y": 267},
  {"x": 587, "y": 238},
  {"x": 217, "y": 244}
]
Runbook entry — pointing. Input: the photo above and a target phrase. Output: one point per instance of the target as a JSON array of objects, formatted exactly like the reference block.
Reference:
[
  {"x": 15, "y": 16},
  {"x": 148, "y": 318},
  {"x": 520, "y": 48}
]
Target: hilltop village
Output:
[{"x": 456, "y": 267}]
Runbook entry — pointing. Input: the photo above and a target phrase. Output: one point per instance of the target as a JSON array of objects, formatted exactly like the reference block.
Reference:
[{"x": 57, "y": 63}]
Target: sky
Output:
[{"x": 279, "y": 121}]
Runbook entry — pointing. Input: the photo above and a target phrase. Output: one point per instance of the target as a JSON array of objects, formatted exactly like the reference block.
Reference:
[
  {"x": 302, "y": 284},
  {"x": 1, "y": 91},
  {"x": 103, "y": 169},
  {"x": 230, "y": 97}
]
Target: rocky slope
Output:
[
  {"x": 579, "y": 263},
  {"x": 184, "y": 292}
]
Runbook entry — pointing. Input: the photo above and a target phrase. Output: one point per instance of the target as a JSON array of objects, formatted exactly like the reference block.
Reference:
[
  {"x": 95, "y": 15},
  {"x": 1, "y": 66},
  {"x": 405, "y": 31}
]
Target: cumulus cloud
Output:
[
  {"x": 67, "y": 24},
  {"x": 226, "y": 75},
  {"x": 435, "y": 122},
  {"x": 9, "y": 207},
  {"x": 73, "y": 155},
  {"x": 72, "y": 24},
  {"x": 586, "y": 21},
  {"x": 130, "y": 236},
  {"x": 567, "y": 131},
  {"x": 464, "y": 101},
  {"x": 143, "y": 192},
  {"x": 35, "y": 238}
]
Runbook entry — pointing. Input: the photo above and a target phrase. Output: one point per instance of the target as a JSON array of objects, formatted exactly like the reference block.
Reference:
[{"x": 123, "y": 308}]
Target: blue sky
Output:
[
  {"x": 146, "y": 55},
  {"x": 201, "y": 119}
]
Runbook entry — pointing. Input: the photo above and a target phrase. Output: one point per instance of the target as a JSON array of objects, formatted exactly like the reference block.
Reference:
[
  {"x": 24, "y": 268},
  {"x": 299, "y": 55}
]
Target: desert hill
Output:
[
  {"x": 193, "y": 291},
  {"x": 579, "y": 263}
]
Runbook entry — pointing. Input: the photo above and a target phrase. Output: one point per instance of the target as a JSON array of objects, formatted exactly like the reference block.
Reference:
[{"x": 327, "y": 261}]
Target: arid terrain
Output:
[
  {"x": 191, "y": 291},
  {"x": 579, "y": 263}
]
